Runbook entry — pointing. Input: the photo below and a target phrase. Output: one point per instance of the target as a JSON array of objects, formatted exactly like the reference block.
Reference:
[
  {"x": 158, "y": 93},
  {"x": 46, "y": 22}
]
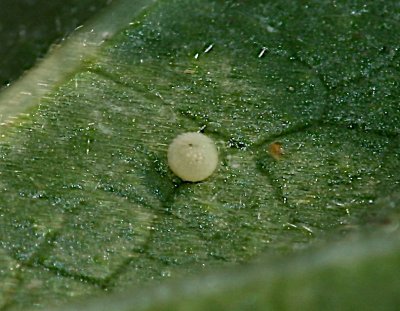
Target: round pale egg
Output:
[{"x": 192, "y": 156}]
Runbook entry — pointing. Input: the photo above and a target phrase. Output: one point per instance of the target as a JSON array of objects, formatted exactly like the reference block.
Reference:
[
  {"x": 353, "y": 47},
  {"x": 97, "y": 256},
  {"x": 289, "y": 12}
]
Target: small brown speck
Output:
[{"x": 275, "y": 150}]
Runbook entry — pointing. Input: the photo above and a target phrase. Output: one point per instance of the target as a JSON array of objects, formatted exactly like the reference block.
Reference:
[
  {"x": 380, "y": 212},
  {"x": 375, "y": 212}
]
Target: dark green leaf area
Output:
[
  {"x": 225, "y": 218},
  {"x": 370, "y": 104},
  {"x": 8, "y": 284},
  {"x": 223, "y": 97},
  {"x": 217, "y": 80},
  {"x": 246, "y": 63},
  {"x": 329, "y": 177},
  {"x": 341, "y": 41},
  {"x": 229, "y": 218},
  {"x": 39, "y": 286},
  {"x": 83, "y": 190}
]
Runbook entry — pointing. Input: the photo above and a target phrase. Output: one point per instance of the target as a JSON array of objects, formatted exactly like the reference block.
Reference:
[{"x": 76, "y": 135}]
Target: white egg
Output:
[{"x": 192, "y": 156}]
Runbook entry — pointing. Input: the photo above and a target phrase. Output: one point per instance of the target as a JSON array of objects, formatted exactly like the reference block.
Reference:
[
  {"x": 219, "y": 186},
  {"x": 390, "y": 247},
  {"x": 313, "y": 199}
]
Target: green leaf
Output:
[
  {"x": 89, "y": 205},
  {"x": 348, "y": 276}
]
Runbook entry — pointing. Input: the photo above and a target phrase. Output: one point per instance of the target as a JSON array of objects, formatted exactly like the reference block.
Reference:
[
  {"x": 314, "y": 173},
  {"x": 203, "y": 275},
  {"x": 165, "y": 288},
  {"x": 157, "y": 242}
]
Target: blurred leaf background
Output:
[{"x": 29, "y": 27}]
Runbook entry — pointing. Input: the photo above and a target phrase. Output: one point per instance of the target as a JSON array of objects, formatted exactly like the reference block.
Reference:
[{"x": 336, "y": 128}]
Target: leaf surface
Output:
[{"x": 88, "y": 203}]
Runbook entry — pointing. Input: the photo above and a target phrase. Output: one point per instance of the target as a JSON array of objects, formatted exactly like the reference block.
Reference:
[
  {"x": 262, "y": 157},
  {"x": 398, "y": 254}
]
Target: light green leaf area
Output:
[{"x": 88, "y": 204}]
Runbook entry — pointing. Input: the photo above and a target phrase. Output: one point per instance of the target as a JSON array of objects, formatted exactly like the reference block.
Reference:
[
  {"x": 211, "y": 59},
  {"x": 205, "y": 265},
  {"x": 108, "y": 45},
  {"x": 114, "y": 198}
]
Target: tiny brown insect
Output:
[{"x": 275, "y": 150}]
